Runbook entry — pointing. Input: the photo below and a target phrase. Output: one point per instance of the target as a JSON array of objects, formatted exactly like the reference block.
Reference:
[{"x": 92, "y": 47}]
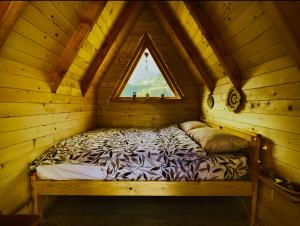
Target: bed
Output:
[{"x": 144, "y": 162}]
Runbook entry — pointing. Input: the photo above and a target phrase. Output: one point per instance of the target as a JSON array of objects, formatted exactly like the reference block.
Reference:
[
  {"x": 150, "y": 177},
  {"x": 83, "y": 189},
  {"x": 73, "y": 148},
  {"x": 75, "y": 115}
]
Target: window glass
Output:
[{"x": 147, "y": 78}]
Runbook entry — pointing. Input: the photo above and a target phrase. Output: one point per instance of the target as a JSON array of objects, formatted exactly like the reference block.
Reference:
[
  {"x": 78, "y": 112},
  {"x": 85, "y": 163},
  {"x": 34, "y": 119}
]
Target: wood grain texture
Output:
[
  {"x": 90, "y": 16},
  {"x": 30, "y": 124},
  {"x": 146, "y": 114},
  {"x": 148, "y": 188},
  {"x": 185, "y": 40},
  {"x": 158, "y": 188},
  {"x": 106, "y": 46},
  {"x": 271, "y": 78},
  {"x": 285, "y": 19},
  {"x": 215, "y": 42},
  {"x": 9, "y": 13}
]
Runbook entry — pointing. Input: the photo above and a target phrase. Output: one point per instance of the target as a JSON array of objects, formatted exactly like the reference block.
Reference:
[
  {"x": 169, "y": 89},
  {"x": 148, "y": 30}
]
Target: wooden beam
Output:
[
  {"x": 3, "y": 7},
  {"x": 185, "y": 40},
  {"x": 9, "y": 12},
  {"x": 89, "y": 18},
  {"x": 214, "y": 39},
  {"x": 106, "y": 46},
  {"x": 285, "y": 18}
]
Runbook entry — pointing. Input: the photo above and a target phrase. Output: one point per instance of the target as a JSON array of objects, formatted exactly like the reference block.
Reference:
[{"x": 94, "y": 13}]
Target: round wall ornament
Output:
[
  {"x": 210, "y": 101},
  {"x": 233, "y": 100}
]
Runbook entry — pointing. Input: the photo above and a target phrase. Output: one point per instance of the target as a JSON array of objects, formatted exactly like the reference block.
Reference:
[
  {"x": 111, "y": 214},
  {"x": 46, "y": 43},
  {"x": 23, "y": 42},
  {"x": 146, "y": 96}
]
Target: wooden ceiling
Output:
[{"x": 98, "y": 30}]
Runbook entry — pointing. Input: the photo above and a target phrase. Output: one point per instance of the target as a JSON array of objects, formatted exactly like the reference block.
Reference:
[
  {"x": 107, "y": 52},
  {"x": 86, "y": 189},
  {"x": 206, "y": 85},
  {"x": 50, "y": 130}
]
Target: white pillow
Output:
[
  {"x": 213, "y": 140},
  {"x": 188, "y": 125}
]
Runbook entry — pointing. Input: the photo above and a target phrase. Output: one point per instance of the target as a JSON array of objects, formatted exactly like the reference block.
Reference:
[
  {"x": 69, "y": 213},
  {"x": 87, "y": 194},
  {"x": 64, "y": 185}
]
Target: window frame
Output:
[{"x": 146, "y": 42}]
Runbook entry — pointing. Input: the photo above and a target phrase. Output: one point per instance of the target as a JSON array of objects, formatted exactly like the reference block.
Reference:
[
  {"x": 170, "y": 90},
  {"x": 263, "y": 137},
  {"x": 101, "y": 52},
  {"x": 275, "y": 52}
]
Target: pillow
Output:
[
  {"x": 213, "y": 140},
  {"x": 188, "y": 125}
]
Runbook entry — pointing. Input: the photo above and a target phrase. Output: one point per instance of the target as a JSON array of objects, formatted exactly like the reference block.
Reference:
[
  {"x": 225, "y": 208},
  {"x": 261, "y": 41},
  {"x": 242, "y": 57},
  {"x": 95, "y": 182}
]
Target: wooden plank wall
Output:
[
  {"x": 32, "y": 118},
  {"x": 210, "y": 60},
  {"x": 146, "y": 114},
  {"x": 271, "y": 85}
]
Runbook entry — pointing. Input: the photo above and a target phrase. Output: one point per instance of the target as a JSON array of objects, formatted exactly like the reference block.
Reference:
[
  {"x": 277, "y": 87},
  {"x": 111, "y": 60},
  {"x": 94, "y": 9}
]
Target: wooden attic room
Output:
[{"x": 150, "y": 113}]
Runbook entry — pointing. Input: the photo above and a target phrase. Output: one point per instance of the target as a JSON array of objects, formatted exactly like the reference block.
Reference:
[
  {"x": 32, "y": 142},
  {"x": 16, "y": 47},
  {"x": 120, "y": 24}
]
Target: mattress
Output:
[{"x": 137, "y": 154}]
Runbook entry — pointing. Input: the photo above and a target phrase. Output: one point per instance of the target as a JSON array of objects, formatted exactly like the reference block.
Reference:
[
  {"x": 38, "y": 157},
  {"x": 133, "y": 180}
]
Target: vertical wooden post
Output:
[
  {"x": 255, "y": 158},
  {"x": 35, "y": 205}
]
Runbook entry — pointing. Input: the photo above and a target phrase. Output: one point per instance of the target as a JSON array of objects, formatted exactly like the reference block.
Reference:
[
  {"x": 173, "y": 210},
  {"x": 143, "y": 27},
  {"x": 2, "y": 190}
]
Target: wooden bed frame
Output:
[{"x": 245, "y": 188}]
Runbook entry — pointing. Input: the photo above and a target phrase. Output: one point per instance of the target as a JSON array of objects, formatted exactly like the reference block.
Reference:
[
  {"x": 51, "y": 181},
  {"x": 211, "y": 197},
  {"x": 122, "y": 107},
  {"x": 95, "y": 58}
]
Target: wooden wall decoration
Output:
[
  {"x": 233, "y": 100},
  {"x": 210, "y": 101}
]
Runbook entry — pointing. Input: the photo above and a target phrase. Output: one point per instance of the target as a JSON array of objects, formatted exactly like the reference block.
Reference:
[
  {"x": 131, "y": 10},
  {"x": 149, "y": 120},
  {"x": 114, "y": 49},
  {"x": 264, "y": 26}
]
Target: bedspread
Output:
[{"x": 144, "y": 154}]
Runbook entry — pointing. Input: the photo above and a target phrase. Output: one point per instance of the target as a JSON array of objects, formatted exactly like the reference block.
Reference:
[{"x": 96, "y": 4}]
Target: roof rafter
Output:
[
  {"x": 89, "y": 18},
  {"x": 106, "y": 46},
  {"x": 146, "y": 42},
  {"x": 285, "y": 19},
  {"x": 185, "y": 41},
  {"x": 9, "y": 12},
  {"x": 214, "y": 39}
]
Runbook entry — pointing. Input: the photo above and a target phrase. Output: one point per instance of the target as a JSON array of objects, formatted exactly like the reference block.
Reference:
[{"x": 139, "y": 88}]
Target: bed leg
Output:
[
  {"x": 255, "y": 161},
  {"x": 36, "y": 208},
  {"x": 253, "y": 203}
]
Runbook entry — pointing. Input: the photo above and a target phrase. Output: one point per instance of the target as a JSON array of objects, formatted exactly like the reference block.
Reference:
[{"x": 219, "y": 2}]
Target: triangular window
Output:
[
  {"x": 146, "y": 76},
  {"x": 147, "y": 80}
]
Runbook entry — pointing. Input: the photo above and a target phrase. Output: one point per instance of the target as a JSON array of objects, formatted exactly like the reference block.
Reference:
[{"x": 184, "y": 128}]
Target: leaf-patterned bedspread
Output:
[{"x": 145, "y": 154}]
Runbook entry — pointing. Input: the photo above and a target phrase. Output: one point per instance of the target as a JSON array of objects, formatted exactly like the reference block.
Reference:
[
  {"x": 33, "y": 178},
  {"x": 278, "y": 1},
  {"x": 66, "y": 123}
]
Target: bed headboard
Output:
[{"x": 253, "y": 138}]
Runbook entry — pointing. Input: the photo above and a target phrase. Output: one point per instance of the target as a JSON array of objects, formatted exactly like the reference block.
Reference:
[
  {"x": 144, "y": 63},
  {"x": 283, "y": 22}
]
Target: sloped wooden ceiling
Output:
[
  {"x": 271, "y": 84},
  {"x": 146, "y": 114},
  {"x": 32, "y": 118},
  {"x": 193, "y": 31},
  {"x": 111, "y": 45},
  {"x": 262, "y": 40},
  {"x": 95, "y": 42},
  {"x": 206, "y": 64},
  {"x": 9, "y": 13},
  {"x": 86, "y": 46},
  {"x": 88, "y": 19}
]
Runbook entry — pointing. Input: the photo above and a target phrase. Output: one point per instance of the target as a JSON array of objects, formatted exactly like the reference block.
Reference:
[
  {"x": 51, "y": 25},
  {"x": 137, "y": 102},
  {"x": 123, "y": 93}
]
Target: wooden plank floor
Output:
[{"x": 146, "y": 211}]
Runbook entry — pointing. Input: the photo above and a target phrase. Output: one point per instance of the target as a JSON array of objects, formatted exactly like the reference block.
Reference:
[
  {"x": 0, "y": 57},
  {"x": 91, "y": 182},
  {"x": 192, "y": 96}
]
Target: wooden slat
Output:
[
  {"x": 3, "y": 7},
  {"x": 285, "y": 17},
  {"x": 8, "y": 16},
  {"x": 106, "y": 46},
  {"x": 144, "y": 188},
  {"x": 216, "y": 43},
  {"x": 79, "y": 35},
  {"x": 145, "y": 113},
  {"x": 186, "y": 42}
]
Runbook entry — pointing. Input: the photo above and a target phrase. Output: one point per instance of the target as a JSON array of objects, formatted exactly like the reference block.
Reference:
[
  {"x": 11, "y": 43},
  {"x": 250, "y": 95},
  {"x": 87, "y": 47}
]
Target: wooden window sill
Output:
[{"x": 146, "y": 101}]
